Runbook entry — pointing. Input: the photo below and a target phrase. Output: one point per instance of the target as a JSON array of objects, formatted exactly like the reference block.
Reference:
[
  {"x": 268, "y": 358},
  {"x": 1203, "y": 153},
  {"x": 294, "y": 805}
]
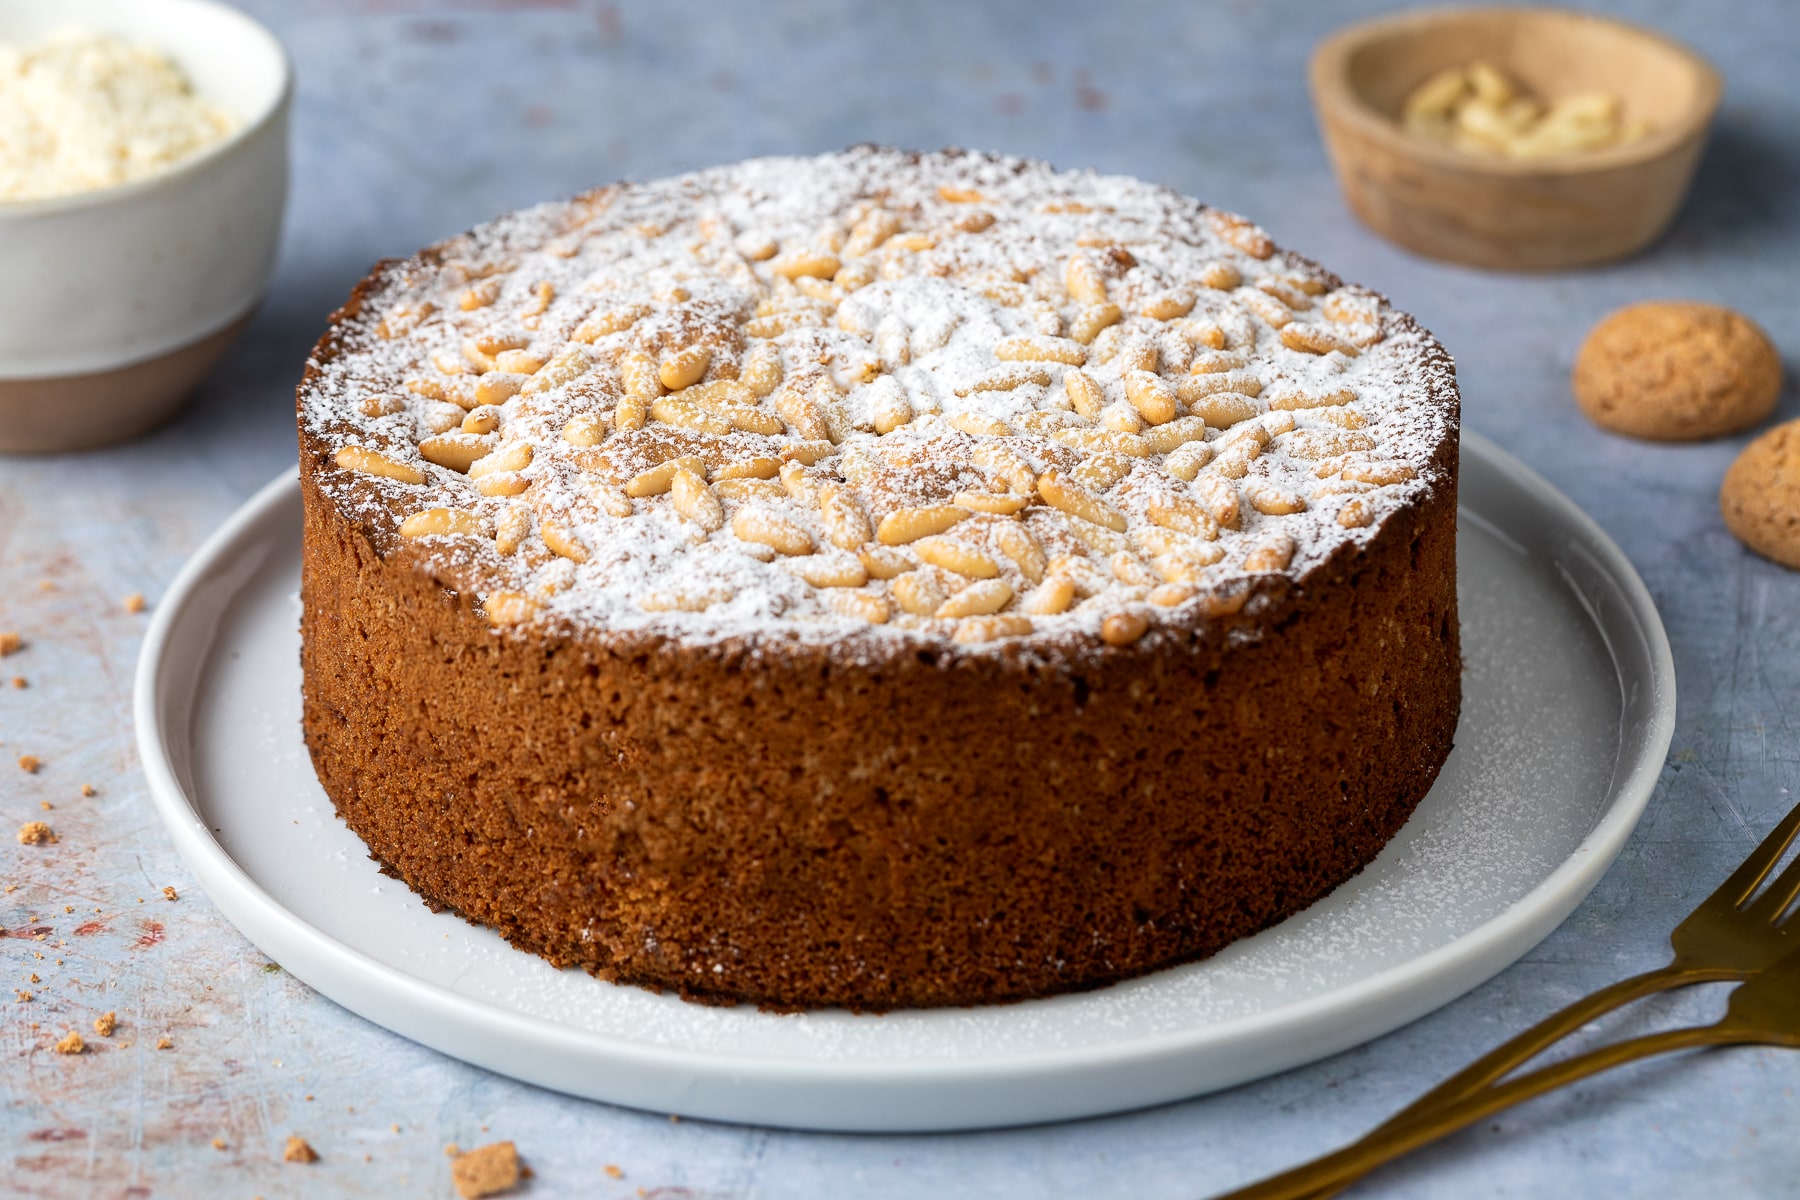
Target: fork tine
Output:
[
  {"x": 1747, "y": 878},
  {"x": 1776, "y": 898}
]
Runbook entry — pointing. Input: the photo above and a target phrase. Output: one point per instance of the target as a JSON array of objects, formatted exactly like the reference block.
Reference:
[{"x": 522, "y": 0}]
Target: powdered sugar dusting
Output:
[{"x": 879, "y": 332}]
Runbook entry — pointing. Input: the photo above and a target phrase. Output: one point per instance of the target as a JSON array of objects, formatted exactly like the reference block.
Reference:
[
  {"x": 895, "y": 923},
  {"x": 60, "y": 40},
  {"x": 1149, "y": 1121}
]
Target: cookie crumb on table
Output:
[
  {"x": 170, "y": 893},
  {"x": 24, "y": 996},
  {"x": 105, "y": 1023},
  {"x": 134, "y": 603},
  {"x": 163, "y": 1043},
  {"x": 19, "y": 681},
  {"x": 486, "y": 1170},
  {"x": 36, "y": 833},
  {"x": 298, "y": 1151},
  {"x": 613, "y": 1171},
  {"x": 88, "y": 789},
  {"x": 29, "y": 763},
  {"x": 71, "y": 1044},
  {"x": 10, "y": 642},
  {"x": 218, "y": 1143}
]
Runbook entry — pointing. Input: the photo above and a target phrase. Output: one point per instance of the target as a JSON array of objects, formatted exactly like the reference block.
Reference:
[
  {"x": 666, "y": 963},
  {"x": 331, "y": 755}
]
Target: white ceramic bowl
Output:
[{"x": 115, "y": 303}]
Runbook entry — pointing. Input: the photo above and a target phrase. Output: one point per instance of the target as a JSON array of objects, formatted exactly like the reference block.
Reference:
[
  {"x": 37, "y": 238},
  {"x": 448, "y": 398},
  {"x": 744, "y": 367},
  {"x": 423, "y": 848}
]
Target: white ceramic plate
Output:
[{"x": 1569, "y": 703}]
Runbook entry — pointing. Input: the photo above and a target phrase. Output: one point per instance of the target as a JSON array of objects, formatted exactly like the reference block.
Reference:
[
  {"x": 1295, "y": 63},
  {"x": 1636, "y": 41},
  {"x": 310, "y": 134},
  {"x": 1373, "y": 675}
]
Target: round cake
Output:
[{"x": 876, "y": 580}]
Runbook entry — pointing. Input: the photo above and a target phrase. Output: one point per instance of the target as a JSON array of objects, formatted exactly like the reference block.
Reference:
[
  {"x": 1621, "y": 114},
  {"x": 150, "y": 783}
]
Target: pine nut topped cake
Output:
[{"x": 876, "y": 580}]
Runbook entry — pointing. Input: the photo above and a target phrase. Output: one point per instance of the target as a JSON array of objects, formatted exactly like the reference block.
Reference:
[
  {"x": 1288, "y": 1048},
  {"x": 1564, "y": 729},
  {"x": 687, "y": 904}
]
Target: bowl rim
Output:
[
  {"x": 253, "y": 126},
  {"x": 1328, "y": 75}
]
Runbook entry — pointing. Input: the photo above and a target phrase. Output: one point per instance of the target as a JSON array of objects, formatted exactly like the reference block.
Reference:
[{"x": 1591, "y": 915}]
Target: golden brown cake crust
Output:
[{"x": 762, "y": 817}]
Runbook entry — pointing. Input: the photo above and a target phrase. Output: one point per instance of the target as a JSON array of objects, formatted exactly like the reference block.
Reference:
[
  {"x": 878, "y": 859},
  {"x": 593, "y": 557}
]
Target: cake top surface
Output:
[{"x": 873, "y": 396}]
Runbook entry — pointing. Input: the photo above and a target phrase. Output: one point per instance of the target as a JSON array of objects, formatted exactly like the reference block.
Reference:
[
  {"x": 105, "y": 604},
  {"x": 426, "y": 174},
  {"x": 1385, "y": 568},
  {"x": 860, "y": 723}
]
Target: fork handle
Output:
[
  {"x": 1515, "y": 1053},
  {"x": 1345, "y": 1166}
]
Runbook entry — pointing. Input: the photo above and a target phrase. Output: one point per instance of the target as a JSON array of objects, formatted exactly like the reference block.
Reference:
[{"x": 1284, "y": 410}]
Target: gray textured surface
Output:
[{"x": 417, "y": 118}]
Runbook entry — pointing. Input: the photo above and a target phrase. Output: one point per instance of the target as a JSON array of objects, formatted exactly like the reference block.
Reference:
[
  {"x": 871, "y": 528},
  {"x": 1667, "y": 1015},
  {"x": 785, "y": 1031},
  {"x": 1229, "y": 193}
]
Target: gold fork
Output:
[{"x": 1734, "y": 934}]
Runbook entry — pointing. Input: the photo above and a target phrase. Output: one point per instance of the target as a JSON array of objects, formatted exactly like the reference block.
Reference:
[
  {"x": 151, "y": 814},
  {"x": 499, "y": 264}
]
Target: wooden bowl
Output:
[{"x": 1515, "y": 214}]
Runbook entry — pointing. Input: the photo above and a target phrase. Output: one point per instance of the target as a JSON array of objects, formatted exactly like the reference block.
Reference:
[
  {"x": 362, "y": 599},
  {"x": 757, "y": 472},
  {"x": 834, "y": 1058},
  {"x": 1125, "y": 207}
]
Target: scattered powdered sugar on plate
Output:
[{"x": 870, "y": 398}]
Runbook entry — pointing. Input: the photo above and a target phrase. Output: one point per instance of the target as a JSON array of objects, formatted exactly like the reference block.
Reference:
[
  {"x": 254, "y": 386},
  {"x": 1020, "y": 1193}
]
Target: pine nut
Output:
[
  {"x": 640, "y": 375},
  {"x": 1065, "y": 494},
  {"x": 513, "y": 527},
  {"x": 798, "y": 484},
  {"x": 373, "y": 462},
  {"x": 1122, "y": 417},
  {"x": 687, "y": 414},
  {"x": 685, "y": 367},
  {"x": 1168, "y": 595},
  {"x": 845, "y": 522},
  {"x": 974, "y": 222},
  {"x": 1185, "y": 461},
  {"x": 1166, "y": 306},
  {"x": 1090, "y": 321},
  {"x": 1265, "y": 307},
  {"x": 603, "y": 324},
  {"x": 802, "y": 415},
  {"x": 1343, "y": 418},
  {"x": 480, "y": 295},
  {"x": 814, "y": 263},
  {"x": 560, "y": 371},
  {"x": 1272, "y": 556},
  {"x": 611, "y": 500},
  {"x": 1164, "y": 439},
  {"x": 742, "y": 488},
  {"x": 509, "y": 608},
  {"x": 1016, "y": 542},
  {"x": 1128, "y": 569},
  {"x": 917, "y": 593},
  {"x": 381, "y": 404},
  {"x": 1220, "y": 499},
  {"x": 1183, "y": 515},
  {"x": 1003, "y": 504},
  {"x": 765, "y": 528},
  {"x": 1327, "y": 443},
  {"x": 1222, "y": 410},
  {"x": 977, "y": 600},
  {"x": 457, "y": 451},
  {"x": 1122, "y": 629},
  {"x": 830, "y": 570},
  {"x": 954, "y": 556},
  {"x": 1084, "y": 281},
  {"x": 974, "y": 630},
  {"x": 1100, "y": 472},
  {"x": 515, "y": 457},
  {"x": 1221, "y": 276},
  {"x": 631, "y": 413},
  {"x": 1274, "y": 501},
  {"x": 518, "y": 362},
  {"x": 1356, "y": 513},
  {"x": 1088, "y": 398},
  {"x": 977, "y": 424},
  {"x": 1217, "y": 362},
  {"x": 883, "y": 563},
  {"x": 1151, "y": 395},
  {"x": 695, "y": 501},
  {"x": 859, "y": 606},
  {"x": 808, "y": 453},
  {"x": 1294, "y": 401},
  {"x": 757, "y": 467},
  {"x": 680, "y": 601},
  {"x": 1052, "y": 596},
  {"x": 761, "y": 372},
  {"x": 1291, "y": 296},
  {"x": 869, "y": 233},
  {"x": 442, "y": 522},
  {"x": 1311, "y": 339},
  {"x": 906, "y": 525},
  {"x": 1379, "y": 473},
  {"x": 1094, "y": 441},
  {"x": 563, "y": 541},
  {"x": 1195, "y": 386},
  {"x": 1187, "y": 565},
  {"x": 480, "y": 420},
  {"x": 1006, "y": 379},
  {"x": 1041, "y": 349},
  {"x": 1240, "y": 233},
  {"x": 496, "y": 387},
  {"x": 1153, "y": 541}
]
